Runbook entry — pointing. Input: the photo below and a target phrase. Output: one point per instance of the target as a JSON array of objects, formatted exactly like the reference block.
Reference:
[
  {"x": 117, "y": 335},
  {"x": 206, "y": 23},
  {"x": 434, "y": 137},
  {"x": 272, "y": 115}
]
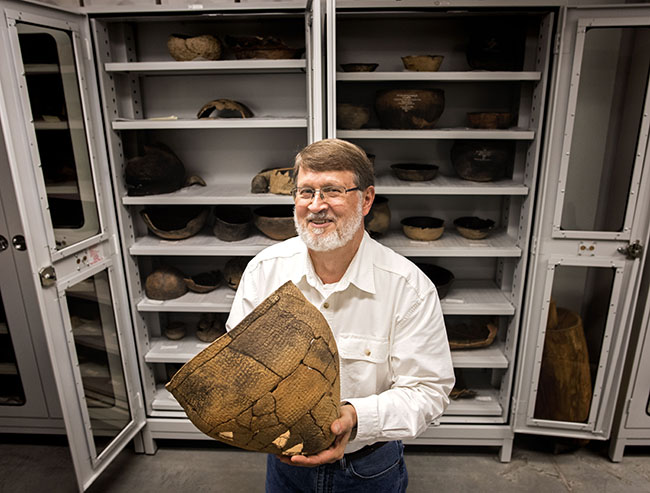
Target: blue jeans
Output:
[{"x": 381, "y": 471}]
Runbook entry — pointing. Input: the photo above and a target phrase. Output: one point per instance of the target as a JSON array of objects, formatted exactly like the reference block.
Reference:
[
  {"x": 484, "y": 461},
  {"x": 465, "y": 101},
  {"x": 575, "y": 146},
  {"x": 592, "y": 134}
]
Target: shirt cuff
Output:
[{"x": 367, "y": 417}]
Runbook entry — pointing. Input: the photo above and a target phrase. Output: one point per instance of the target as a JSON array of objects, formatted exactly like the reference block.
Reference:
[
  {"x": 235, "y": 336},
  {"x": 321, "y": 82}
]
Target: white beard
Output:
[{"x": 319, "y": 241}]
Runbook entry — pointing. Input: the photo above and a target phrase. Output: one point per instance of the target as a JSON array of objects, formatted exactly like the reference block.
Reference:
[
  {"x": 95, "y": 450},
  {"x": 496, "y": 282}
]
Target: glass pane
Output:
[
  {"x": 613, "y": 80},
  {"x": 95, "y": 337},
  {"x": 580, "y": 301},
  {"x": 54, "y": 97},
  {"x": 11, "y": 387}
]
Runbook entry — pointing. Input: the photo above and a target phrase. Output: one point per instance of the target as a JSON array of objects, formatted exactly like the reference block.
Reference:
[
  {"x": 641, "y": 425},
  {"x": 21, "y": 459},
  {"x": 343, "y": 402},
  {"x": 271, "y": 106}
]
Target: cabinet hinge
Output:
[
  {"x": 627, "y": 406},
  {"x": 513, "y": 406},
  {"x": 556, "y": 48},
  {"x": 533, "y": 245}
]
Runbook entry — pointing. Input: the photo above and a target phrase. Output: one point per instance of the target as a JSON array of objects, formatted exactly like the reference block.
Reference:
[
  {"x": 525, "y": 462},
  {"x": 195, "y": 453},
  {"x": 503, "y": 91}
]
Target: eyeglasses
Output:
[{"x": 327, "y": 193}]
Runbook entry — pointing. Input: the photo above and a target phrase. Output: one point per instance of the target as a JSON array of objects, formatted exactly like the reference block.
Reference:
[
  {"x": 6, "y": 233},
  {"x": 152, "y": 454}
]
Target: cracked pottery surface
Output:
[{"x": 269, "y": 385}]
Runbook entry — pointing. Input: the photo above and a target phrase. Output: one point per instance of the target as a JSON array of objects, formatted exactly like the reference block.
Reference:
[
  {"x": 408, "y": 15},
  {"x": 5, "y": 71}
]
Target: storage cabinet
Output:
[
  {"x": 149, "y": 97},
  {"x": 488, "y": 272}
]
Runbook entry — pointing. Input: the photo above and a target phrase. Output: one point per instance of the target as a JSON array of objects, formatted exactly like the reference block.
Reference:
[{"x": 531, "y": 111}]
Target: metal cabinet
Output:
[
  {"x": 489, "y": 272},
  {"x": 592, "y": 224}
]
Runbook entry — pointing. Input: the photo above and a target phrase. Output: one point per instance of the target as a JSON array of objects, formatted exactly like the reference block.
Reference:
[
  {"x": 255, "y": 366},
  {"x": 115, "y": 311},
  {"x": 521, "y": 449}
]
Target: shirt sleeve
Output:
[{"x": 422, "y": 378}]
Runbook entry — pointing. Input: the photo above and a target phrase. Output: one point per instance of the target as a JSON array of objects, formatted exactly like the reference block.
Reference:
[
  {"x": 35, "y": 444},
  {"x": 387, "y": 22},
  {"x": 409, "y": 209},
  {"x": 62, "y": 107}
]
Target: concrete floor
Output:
[{"x": 42, "y": 464}]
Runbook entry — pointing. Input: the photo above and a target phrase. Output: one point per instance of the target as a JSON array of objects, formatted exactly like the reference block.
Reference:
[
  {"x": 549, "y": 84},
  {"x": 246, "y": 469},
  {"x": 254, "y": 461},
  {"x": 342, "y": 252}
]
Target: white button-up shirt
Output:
[{"x": 385, "y": 315}]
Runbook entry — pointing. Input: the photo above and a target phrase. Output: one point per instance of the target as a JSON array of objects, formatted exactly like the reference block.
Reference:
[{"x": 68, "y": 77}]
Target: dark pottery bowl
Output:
[
  {"x": 490, "y": 120},
  {"x": 165, "y": 283},
  {"x": 414, "y": 171},
  {"x": 377, "y": 221},
  {"x": 471, "y": 335},
  {"x": 175, "y": 330},
  {"x": 232, "y": 222},
  {"x": 409, "y": 109},
  {"x": 496, "y": 45},
  {"x": 482, "y": 160},
  {"x": 351, "y": 116},
  {"x": 423, "y": 228},
  {"x": 234, "y": 269},
  {"x": 359, "y": 67},
  {"x": 422, "y": 63},
  {"x": 474, "y": 228},
  {"x": 440, "y": 277},
  {"x": 204, "y": 282},
  {"x": 175, "y": 222},
  {"x": 275, "y": 221}
]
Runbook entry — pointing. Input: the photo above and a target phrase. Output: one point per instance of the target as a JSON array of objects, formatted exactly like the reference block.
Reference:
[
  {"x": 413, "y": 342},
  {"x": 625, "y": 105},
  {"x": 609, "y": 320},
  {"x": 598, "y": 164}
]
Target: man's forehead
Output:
[{"x": 337, "y": 176}]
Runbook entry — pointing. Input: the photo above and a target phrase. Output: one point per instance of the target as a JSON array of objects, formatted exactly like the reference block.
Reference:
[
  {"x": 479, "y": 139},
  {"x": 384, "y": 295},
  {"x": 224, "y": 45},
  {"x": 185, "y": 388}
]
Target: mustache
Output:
[{"x": 318, "y": 216}]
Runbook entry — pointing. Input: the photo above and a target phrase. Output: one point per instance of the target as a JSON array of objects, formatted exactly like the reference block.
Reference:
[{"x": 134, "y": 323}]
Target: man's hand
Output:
[{"x": 342, "y": 428}]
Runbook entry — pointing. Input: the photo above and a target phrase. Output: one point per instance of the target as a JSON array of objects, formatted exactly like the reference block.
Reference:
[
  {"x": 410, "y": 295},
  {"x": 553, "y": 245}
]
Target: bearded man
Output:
[{"x": 395, "y": 364}]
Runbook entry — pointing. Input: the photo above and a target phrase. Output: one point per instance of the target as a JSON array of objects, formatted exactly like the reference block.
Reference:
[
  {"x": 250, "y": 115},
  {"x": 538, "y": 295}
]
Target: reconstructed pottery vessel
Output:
[
  {"x": 377, "y": 221},
  {"x": 175, "y": 222},
  {"x": 474, "y": 228},
  {"x": 232, "y": 222},
  {"x": 414, "y": 171},
  {"x": 351, "y": 116},
  {"x": 411, "y": 109},
  {"x": 185, "y": 48},
  {"x": 175, "y": 330},
  {"x": 234, "y": 269},
  {"x": 440, "y": 277},
  {"x": 204, "y": 282},
  {"x": 359, "y": 67},
  {"x": 224, "y": 108},
  {"x": 275, "y": 221},
  {"x": 268, "y": 47},
  {"x": 422, "y": 63},
  {"x": 471, "y": 335},
  {"x": 165, "y": 283},
  {"x": 482, "y": 160},
  {"x": 269, "y": 385},
  {"x": 158, "y": 171},
  {"x": 423, "y": 228},
  {"x": 489, "y": 120}
]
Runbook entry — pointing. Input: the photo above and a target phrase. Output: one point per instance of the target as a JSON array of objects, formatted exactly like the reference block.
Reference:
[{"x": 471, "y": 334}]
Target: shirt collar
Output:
[{"x": 359, "y": 272}]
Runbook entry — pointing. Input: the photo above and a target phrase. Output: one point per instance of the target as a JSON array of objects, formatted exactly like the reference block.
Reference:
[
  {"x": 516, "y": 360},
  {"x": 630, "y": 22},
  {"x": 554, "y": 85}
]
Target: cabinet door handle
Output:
[
  {"x": 4, "y": 244},
  {"x": 19, "y": 242}
]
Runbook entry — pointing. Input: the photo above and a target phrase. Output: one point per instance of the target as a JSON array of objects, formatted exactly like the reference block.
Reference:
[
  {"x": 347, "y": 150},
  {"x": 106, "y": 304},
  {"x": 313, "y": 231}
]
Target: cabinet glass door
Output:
[
  {"x": 592, "y": 221},
  {"x": 11, "y": 386},
  {"x": 73, "y": 248}
]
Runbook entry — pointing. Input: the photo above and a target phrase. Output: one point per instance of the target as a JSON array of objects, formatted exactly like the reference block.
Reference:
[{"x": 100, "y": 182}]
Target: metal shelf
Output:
[
  {"x": 162, "y": 350},
  {"x": 209, "y": 67},
  {"x": 8, "y": 368},
  {"x": 468, "y": 76},
  {"x": 451, "y": 244},
  {"x": 239, "y": 193},
  {"x": 163, "y": 400},
  {"x": 3, "y": 328},
  {"x": 42, "y": 68},
  {"x": 66, "y": 189},
  {"x": 441, "y": 133},
  {"x": 485, "y": 403},
  {"x": 466, "y": 297},
  {"x": 256, "y": 122},
  {"x": 489, "y": 357}
]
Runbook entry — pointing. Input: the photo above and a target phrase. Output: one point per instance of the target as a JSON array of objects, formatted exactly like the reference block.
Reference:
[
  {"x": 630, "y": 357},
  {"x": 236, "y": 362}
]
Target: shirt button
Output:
[
  {"x": 367, "y": 351},
  {"x": 326, "y": 305}
]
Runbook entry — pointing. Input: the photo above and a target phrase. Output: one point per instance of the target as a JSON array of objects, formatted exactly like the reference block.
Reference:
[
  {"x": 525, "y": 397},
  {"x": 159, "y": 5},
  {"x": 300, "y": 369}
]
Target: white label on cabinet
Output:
[
  {"x": 203, "y": 345},
  {"x": 454, "y": 300},
  {"x": 168, "y": 346},
  {"x": 483, "y": 398},
  {"x": 478, "y": 244}
]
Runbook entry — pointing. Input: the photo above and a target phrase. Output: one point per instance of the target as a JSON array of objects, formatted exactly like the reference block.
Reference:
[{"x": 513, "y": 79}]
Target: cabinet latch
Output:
[
  {"x": 632, "y": 251},
  {"x": 48, "y": 276}
]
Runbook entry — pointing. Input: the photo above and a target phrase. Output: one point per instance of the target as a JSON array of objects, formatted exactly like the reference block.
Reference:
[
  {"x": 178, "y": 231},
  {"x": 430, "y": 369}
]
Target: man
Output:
[{"x": 396, "y": 370}]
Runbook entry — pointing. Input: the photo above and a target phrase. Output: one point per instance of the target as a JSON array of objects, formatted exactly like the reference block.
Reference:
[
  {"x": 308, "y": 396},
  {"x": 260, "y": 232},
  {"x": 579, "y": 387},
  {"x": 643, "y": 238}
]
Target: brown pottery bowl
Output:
[
  {"x": 204, "y": 282},
  {"x": 489, "y": 120},
  {"x": 351, "y": 116},
  {"x": 275, "y": 221},
  {"x": 175, "y": 222},
  {"x": 377, "y": 221},
  {"x": 414, "y": 171},
  {"x": 232, "y": 222},
  {"x": 440, "y": 277},
  {"x": 359, "y": 67},
  {"x": 422, "y": 63},
  {"x": 474, "y": 228},
  {"x": 423, "y": 228},
  {"x": 409, "y": 109},
  {"x": 482, "y": 160}
]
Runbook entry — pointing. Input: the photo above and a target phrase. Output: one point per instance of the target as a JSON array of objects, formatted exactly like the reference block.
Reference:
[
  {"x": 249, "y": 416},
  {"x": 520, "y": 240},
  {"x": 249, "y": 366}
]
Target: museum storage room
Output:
[{"x": 146, "y": 156}]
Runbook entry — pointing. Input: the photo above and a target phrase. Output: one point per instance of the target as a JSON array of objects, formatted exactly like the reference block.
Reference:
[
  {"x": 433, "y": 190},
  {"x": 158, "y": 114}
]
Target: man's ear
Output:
[{"x": 368, "y": 198}]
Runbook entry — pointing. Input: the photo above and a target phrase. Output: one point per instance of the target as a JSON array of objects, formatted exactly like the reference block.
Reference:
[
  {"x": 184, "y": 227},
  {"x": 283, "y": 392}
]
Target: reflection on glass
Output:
[
  {"x": 575, "y": 327},
  {"x": 11, "y": 387},
  {"x": 611, "y": 94},
  {"x": 54, "y": 97},
  {"x": 95, "y": 337}
]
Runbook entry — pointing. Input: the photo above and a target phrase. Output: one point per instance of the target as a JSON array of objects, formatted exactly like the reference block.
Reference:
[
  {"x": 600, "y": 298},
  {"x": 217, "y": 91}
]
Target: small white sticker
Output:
[
  {"x": 164, "y": 346},
  {"x": 202, "y": 346},
  {"x": 453, "y": 300},
  {"x": 483, "y": 398}
]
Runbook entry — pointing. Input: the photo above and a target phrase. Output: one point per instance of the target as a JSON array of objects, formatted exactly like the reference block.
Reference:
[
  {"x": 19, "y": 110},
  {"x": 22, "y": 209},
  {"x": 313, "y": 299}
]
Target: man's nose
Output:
[{"x": 317, "y": 203}]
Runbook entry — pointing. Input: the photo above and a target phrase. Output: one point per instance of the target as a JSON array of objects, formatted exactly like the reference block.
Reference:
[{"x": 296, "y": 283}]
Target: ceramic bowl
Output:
[
  {"x": 377, "y": 221},
  {"x": 232, "y": 222},
  {"x": 351, "y": 116},
  {"x": 275, "y": 221},
  {"x": 440, "y": 277},
  {"x": 204, "y": 282},
  {"x": 409, "y": 109},
  {"x": 474, "y": 228},
  {"x": 423, "y": 228},
  {"x": 422, "y": 63},
  {"x": 414, "y": 171},
  {"x": 175, "y": 222},
  {"x": 359, "y": 67},
  {"x": 482, "y": 160},
  {"x": 489, "y": 120}
]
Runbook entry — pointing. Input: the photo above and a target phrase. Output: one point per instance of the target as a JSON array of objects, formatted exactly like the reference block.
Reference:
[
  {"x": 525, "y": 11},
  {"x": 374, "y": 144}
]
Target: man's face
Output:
[{"x": 328, "y": 224}]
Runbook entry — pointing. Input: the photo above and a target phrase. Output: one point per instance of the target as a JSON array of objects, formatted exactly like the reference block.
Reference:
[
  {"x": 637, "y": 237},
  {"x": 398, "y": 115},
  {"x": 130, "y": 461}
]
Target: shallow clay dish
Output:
[
  {"x": 423, "y": 228},
  {"x": 204, "y": 282},
  {"x": 471, "y": 335},
  {"x": 414, "y": 171},
  {"x": 175, "y": 222},
  {"x": 359, "y": 67},
  {"x": 440, "y": 277},
  {"x": 422, "y": 63},
  {"x": 473, "y": 227},
  {"x": 275, "y": 221}
]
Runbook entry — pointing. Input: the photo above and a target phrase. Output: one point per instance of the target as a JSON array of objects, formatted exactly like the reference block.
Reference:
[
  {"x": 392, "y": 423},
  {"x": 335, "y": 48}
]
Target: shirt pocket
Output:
[{"x": 363, "y": 349}]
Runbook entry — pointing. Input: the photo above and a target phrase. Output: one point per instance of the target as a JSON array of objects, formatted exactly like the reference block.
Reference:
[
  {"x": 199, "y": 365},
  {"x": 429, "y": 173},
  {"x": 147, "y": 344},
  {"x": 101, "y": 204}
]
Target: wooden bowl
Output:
[
  {"x": 482, "y": 160},
  {"x": 415, "y": 172},
  {"x": 489, "y": 120},
  {"x": 377, "y": 221},
  {"x": 175, "y": 222},
  {"x": 422, "y": 63},
  {"x": 232, "y": 222},
  {"x": 359, "y": 67},
  {"x": 474, "y": 228},
  {"x": 423, "y": 228},
  {"x": 440, "y": 277},
  {"x": 409, "y": 109},
  {"x": 275, "y": 221},
  {"x": 351, "y": 116}
]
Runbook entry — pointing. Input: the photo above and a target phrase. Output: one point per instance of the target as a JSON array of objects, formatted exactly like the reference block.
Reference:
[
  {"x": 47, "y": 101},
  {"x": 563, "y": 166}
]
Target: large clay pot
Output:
[
  {"x": 377, "y": 221},
  {"x": 158, "y": 171},
  {"x": 411, "y": 109},
  {"x": 275, "y": 221},
  {"x": 482, "y": 160},
  {"x": 165, "y": 283},
  {"x": 232, "y": 222},
  {"x": 564, "y": 390},
  {"x": 185, "y": 48}
]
